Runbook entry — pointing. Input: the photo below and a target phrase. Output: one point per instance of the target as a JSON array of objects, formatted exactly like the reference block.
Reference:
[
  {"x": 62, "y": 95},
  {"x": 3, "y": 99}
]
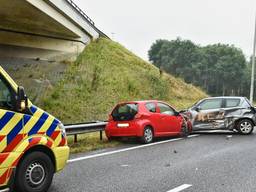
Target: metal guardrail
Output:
[
  {"x": 75, "y": 6},
  {"x": 82, "y": 128}
]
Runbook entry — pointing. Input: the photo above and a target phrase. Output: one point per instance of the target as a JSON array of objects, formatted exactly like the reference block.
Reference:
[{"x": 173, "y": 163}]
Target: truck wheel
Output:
[
  {"x": 34, "y": 173},
  {"x": 147, "y": 135},
  {"x": 245, "y": 127}
]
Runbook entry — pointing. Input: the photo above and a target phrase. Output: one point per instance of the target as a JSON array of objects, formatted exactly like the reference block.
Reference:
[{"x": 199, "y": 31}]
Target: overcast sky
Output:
[{"x": 138, "y": 23}]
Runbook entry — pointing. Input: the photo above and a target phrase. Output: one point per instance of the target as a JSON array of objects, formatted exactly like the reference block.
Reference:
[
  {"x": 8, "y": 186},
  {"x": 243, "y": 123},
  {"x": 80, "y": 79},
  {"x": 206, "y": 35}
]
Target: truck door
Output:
[
  {"x": 11, "y": 129},
  {"x": 210, "y": 114},
  {"x": 11, "y": 121}
]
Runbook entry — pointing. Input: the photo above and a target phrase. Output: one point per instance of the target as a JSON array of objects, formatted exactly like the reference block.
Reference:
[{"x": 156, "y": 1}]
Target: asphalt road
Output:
[{"x": 218, "y": 162}]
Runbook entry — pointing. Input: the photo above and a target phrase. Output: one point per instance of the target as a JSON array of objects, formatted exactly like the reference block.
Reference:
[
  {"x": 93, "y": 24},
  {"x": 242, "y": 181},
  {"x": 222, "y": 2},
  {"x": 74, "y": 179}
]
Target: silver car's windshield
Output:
[{"x": 195, "y": 105}]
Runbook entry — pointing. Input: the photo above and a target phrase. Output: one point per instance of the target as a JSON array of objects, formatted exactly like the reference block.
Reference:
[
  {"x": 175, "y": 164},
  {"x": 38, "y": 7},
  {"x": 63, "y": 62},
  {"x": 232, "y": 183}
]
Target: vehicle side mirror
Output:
[
  {"x": 22, "y": 100},
  {"x": 198, "y": 108}
]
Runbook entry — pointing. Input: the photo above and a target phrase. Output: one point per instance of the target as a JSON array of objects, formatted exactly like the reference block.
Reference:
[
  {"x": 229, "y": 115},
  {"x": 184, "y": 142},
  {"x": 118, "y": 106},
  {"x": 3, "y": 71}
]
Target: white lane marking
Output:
[
  {"x": 214, "y": 131},
  {"x": 5, "y": 190},
  {"x": 196, "y": 135},
  {"x": 123, "y": 150},
  {"x": 124, "y": 165},
  {"x": 180, "y": 188}
]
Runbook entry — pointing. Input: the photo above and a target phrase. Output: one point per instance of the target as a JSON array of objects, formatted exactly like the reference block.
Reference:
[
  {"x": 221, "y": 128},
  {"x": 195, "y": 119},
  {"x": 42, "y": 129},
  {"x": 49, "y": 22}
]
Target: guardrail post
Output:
[
  {"x": 75, "y": 138},
  {"x": 101, "y": 137}
]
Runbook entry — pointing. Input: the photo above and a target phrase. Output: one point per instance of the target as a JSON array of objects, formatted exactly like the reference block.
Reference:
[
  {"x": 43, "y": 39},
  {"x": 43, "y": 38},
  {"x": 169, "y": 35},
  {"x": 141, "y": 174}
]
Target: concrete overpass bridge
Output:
[{"x": 44, "y": 29}]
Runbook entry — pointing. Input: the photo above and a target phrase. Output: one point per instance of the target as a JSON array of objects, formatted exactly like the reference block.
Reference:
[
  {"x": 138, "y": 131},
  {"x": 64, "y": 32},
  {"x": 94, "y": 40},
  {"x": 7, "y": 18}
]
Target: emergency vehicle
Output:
[{"x": 33, "y": 144}]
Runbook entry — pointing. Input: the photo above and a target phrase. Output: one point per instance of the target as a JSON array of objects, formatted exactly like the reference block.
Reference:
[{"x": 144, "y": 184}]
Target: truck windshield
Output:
[
  {"x": 125, "y": 112},
  {"x": 5, "y": 96}
]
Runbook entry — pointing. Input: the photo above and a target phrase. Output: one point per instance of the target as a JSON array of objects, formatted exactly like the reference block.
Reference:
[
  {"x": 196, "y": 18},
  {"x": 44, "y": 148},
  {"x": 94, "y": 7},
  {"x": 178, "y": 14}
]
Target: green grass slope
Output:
[
  {"x": 103, "y": 75},
  {"x": 106, "y": 73}
]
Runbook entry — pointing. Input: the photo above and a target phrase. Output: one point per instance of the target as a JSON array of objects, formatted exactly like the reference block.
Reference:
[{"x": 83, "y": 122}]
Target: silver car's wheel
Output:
[
  {"x": 147, "y": 135},
  {"x": 245, "y": 127}
]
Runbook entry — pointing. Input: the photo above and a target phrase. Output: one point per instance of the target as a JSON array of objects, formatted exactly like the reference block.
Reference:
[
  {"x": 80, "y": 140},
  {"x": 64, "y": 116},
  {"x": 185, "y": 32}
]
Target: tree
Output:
[{"x": 219, "y": 69}]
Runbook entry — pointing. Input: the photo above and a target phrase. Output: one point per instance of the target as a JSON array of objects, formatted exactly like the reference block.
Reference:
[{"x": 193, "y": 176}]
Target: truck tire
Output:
[
  {"x": 245, "y": 126},
  {"x": 34, "y": 173}
]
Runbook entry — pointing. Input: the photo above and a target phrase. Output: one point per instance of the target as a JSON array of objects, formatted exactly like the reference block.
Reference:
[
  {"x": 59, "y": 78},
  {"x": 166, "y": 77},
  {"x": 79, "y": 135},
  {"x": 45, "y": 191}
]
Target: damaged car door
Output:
[
  {"x": 209, "y": 114},
  {"x": 240, "y": 115}
]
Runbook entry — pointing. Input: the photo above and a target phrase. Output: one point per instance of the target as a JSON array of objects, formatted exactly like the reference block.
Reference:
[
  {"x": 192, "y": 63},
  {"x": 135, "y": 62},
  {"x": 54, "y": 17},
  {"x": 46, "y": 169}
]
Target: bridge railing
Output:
[{"x": 75, "y": 6}]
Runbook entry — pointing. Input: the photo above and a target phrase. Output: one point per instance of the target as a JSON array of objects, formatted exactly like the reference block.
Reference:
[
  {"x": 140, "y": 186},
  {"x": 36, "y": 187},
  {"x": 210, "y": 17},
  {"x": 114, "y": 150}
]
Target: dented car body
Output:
[{"x": 223, "y": 113}]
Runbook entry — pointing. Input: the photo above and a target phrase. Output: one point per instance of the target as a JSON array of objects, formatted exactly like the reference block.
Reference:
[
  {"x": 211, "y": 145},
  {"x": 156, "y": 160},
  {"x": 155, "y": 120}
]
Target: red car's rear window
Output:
[{"x": 125, "y": 112}]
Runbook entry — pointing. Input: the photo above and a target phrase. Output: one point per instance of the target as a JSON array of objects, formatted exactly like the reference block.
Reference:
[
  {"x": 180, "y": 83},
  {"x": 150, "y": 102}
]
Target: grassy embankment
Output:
[{"x": 103, "y": 75}]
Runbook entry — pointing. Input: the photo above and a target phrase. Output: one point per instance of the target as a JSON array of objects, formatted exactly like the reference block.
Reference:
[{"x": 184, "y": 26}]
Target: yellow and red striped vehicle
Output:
[{"x": 33, "y": 144}]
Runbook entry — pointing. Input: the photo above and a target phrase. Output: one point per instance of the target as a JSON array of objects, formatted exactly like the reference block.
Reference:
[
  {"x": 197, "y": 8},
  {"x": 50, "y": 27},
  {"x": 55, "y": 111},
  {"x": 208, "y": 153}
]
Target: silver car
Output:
[{"x": 223, "y": 113}]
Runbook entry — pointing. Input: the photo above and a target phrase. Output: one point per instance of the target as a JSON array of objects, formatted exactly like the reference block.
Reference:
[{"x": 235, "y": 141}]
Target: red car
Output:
[{"x": 146, "y": 120}]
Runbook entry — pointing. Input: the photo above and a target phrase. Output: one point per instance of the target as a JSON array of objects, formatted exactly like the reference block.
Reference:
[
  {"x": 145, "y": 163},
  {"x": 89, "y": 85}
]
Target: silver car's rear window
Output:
[{"x": 232, "y": 103}]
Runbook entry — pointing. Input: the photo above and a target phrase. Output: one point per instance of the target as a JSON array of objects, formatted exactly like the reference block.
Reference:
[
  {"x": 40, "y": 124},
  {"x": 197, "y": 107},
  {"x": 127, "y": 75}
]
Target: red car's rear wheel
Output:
[{"x": 148, "y": 135}]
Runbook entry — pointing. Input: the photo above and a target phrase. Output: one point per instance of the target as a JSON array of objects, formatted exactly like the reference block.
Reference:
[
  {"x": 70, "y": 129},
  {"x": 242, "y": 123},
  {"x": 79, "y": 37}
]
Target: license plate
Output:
[{"x": 121, "y": 125}]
